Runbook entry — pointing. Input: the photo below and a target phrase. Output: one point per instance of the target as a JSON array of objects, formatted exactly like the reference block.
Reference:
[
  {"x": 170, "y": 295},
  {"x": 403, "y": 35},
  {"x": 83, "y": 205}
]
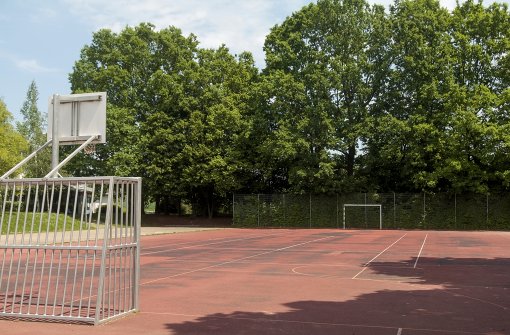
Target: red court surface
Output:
[{"x": 255, "y": 282}]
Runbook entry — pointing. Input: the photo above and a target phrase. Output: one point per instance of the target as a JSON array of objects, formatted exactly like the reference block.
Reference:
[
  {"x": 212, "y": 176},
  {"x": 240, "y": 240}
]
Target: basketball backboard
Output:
[{"x": 79, "y": 116}]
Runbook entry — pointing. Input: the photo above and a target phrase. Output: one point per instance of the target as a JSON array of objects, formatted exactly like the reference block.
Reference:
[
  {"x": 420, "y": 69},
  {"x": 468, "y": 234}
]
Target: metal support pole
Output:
[
  {"x": 258, "y": 210},
  {"x": 336, "y": 216},
  {"x": 394, "y": 211},
  {"x": 343, "y": 216},
  {"x": 424, "y": 210},
  {"x": 487, "y": 208},
  {"x": 24, "y": 161},
  {"x": 365, "y": 211},
  {"x": 54, "y": 172},
  {"x": 455, "y": 210},
  {"x": 54, "y": 135},
  {"x": 310, "y": 210}
]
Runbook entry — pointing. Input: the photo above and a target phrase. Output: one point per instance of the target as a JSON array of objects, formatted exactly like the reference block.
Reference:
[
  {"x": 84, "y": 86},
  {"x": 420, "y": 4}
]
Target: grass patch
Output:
[{"x": 38, "y": 222}]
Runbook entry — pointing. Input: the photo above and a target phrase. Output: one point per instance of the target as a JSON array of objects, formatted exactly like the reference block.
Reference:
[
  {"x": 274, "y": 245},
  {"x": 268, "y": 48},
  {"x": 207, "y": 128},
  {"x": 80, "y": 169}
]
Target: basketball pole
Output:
[{"x": 54, "y": 135}]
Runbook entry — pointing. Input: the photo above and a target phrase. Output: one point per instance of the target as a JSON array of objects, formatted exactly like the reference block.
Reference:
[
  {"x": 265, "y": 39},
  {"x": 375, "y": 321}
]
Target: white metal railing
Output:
[{"x": 69, "y": 248}]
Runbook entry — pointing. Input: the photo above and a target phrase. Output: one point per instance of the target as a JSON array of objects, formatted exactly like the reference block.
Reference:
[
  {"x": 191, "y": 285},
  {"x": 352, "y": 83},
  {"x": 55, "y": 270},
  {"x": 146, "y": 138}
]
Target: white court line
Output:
[
  {"x": 180, "y": 243},
  {"x": 421, "y": 249},
  {"x": 206, "y": 244},
  {"x": 399, "y": 332},
  {"x": 233, "y": 261},
  {"x": 379, "y": 254}
]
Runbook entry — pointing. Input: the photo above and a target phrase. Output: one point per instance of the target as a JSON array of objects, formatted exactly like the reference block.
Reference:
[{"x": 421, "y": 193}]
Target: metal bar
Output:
[
  {"x": 13, "y": 304},
  {"x": 50, "y": 317},
  {"x": 137, "y": 227},
  {"x": 25, "y": 160},
  {"x": 28, "y": 251},
  {"x": 6, "y": 294},
  {"x": 65, "y": 99},
  {"x": 48, "y": 224},
  {"x": 50, "y": 247},
  {"x": 54, "y": 137},
  {"x": 58, "y": 261},
  {"x": 103, "y": 254},
  {"x": 54, "y": 171}
]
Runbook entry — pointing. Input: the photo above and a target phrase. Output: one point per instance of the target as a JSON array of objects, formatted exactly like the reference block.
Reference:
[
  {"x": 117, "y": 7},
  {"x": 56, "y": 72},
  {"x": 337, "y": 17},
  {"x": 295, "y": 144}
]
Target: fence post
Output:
[
  {"x": 336, "y": 216},
  {"x": 365, "y": 210},
  {"x": 310, "y": 210},
  {"x": 258, "y": 210},
  {"x": 233, "y": 208},
  {"x": 284, "y": 211},
  {"x": 424, "y": 210},
  {"x": 394, "y": 211},
  {"x": 487, "y": 208},
  {"x": 455, "y": 211}
]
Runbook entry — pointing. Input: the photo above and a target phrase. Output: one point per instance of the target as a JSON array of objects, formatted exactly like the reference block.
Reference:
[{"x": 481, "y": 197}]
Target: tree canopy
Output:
[
  {"x": 12, "y": 144},
  {"x": 32, "y": 128},
  {"x": 353, "y": 97}
]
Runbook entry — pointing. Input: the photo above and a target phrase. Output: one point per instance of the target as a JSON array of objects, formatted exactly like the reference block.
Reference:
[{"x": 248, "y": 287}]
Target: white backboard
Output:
[{"x": 79, "y": 117}]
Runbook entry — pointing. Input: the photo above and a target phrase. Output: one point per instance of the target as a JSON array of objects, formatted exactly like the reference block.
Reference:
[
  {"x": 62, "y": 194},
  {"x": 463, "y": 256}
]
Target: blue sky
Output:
[{"x": 41, "y": 40}]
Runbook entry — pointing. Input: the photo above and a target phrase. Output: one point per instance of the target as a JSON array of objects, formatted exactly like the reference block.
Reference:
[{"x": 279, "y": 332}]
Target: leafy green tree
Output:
[
  {"x": 176, "y": 112},
  {"x": 193, "y": 152},
  {"x": 32, "y": 128},
  {"x": 334, "y": 55},
  {"x": 407, "y": 132},
  {"x": 12, "y": 144},
  {"x": 479, "y": 146}
]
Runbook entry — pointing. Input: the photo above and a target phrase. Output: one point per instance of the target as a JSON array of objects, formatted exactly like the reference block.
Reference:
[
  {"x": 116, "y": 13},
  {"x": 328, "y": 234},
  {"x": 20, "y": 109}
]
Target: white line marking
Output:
[
  {"x": 370, "y": 261},
  {"x": 206, "y": 244},
  {"x": 421, "y": 249},
  {"x": 233, "y": 261},
  {"x": 179, "y": 243},
  {"x": 399, "y": 332}
]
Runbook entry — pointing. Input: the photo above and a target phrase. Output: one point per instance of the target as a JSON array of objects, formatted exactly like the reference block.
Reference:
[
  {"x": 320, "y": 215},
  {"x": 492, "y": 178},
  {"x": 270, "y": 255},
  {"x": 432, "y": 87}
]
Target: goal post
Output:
[{"x": 365, "y": 206}]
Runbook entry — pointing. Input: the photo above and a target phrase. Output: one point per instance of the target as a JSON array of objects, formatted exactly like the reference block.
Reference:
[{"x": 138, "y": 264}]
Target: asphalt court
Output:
[{"x": 315, "y": 281}]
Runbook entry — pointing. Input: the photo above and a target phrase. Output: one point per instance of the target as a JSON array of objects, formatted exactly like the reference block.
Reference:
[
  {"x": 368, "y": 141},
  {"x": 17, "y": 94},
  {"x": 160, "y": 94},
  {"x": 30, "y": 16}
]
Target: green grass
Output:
[{"x": 27, "y": 220}]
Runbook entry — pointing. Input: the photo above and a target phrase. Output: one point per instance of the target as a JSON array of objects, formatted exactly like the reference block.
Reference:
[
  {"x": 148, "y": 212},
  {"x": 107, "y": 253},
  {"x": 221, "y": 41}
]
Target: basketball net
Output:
[{"x": 90, "y": 149}]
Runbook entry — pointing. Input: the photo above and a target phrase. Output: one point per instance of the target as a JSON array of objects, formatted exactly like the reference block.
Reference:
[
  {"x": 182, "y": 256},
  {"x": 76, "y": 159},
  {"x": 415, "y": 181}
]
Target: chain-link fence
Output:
[{"x": 397, "y": 211}]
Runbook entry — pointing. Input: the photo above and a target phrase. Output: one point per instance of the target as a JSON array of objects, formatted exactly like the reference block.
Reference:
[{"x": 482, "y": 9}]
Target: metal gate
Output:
[{"x": 69, "y": 248}]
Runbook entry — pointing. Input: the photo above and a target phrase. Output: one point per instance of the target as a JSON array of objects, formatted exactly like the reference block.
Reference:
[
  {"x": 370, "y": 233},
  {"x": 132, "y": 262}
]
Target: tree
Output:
[
  {"x": 12, "y": 144},
  {"x": 334, "y": 55},
  {"x": 480, "y": 143},
  {"x": 408, "y": 131},
  {"x": 182, "y": 109},
  {"x": 192, "y": 148},
  {"x": 32, "y": 128}
]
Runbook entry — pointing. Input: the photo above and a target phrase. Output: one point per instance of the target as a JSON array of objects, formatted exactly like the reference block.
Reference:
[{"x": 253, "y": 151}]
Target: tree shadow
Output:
[{"x": 438, "y": 296}]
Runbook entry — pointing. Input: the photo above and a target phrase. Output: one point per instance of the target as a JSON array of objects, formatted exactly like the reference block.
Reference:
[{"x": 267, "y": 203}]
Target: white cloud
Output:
[
  {"x": 239, "y": 24},
  {"x": 27, "y": 65},
  {"x": 43, "y": 14},
  {"x": 32, "y": 65}
]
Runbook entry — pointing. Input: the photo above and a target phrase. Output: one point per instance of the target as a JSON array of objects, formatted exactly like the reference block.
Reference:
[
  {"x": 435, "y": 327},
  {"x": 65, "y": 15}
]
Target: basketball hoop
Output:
[{"x": 90, "y": 149}]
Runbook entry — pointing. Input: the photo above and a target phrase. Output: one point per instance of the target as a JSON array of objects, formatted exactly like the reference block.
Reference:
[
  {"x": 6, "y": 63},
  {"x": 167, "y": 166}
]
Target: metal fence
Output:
[
  {"x": 69, "y": 248},
  {"x": 399, "y": 211}
]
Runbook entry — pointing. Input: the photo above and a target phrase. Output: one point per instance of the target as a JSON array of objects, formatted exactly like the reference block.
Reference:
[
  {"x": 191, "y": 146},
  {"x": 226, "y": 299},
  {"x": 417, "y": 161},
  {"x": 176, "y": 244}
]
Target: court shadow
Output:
[{"x": 439, "y": 296}]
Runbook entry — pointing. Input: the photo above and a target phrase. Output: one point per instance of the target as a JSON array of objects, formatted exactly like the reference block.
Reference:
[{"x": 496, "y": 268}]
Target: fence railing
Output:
[
  {"x": 69, "y": 248},
  {"x": 397, "y": 211}
]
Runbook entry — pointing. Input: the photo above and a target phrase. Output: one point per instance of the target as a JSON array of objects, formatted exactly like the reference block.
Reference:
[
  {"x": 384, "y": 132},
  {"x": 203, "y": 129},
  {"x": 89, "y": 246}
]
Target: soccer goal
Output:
[{"x": 366, "y": 208}]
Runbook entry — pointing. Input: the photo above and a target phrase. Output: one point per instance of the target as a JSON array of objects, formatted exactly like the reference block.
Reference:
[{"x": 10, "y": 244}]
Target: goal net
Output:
[{"x": 367, "y": 216}]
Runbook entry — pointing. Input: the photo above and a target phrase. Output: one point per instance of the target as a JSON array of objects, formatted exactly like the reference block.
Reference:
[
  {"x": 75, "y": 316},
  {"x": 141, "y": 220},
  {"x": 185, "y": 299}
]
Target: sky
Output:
[{"x": 41, "y": 40}]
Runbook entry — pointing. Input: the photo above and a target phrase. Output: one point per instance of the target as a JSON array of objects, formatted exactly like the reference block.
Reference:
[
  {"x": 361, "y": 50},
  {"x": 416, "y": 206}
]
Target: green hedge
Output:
[{"x": 441, "y": 211}]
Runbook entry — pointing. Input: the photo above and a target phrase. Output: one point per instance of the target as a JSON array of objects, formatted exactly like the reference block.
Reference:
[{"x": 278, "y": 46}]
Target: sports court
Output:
[{"x": 314, "y": 281}]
